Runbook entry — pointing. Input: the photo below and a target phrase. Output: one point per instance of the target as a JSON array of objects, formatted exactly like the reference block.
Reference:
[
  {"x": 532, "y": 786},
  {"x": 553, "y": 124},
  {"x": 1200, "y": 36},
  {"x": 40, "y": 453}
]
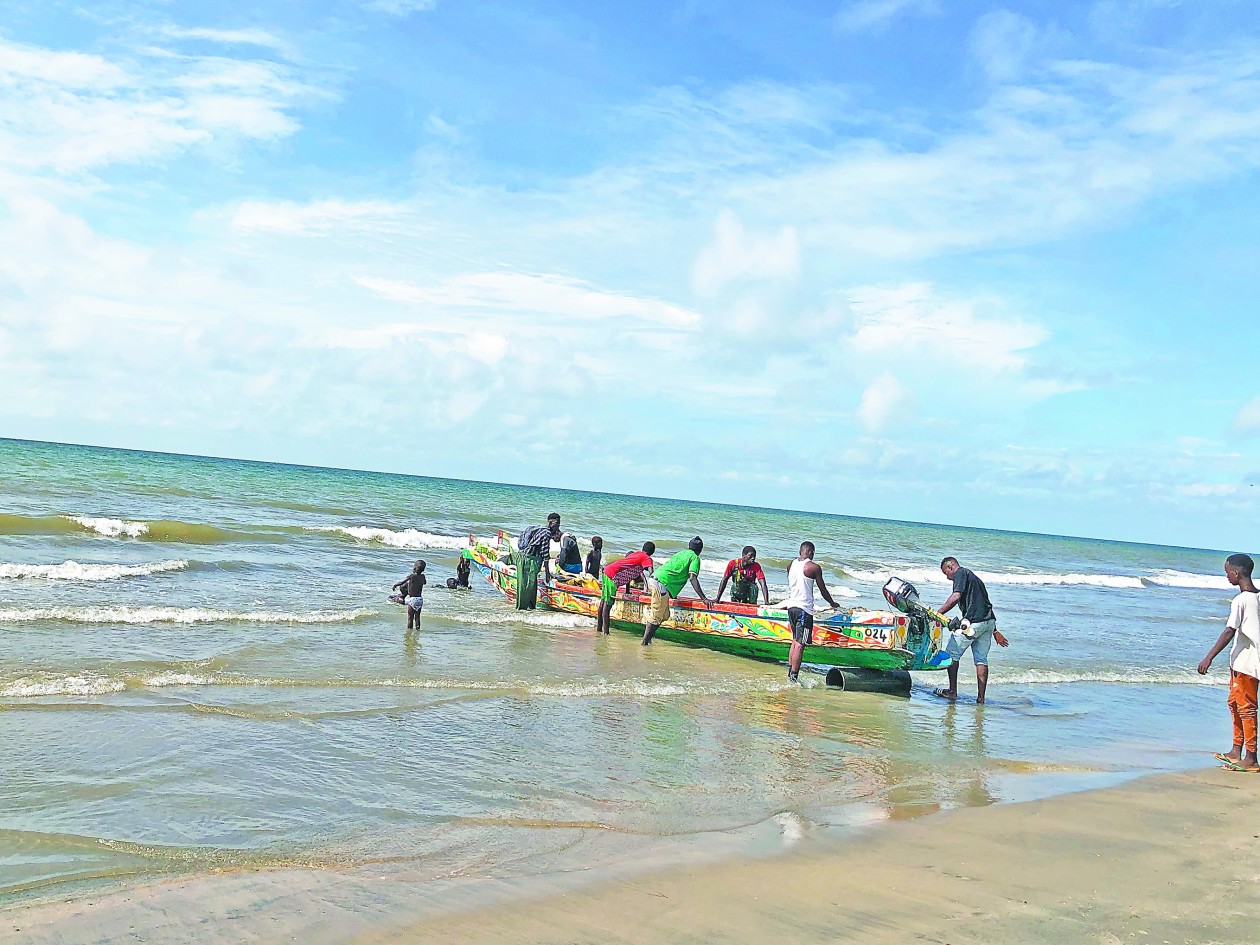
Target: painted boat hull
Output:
[{"x": 859, "y": 639}]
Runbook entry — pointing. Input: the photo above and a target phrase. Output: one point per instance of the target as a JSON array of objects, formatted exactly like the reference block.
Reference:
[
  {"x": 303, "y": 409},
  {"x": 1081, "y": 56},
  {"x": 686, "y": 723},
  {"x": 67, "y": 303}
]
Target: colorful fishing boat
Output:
[{"x": 850, "y": 638}]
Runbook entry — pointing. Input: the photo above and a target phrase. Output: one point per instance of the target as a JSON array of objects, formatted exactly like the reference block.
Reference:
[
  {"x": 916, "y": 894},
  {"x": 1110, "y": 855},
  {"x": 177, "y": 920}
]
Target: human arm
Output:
[
  {"x": 695, "y": 583},
  {"x": 1225, "y": 639},
  {"x": 722, "y": 587},
  {"x": 950, "y": 602},
  {"x": 765, "y": 590},
  {"x": 817, "y": 575}
]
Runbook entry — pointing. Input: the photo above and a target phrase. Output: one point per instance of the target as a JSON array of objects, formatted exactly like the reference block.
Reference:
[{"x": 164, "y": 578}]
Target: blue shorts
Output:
[
  {"x": 802, "y": 625},
  {"x": 979, "y": 644},
  {"x": 571, "y": 568}
]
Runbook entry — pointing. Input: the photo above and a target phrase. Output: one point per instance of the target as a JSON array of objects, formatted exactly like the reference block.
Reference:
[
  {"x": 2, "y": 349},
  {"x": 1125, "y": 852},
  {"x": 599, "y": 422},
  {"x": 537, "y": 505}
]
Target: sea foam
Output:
[
  {"x": 74, "y": 571},
  {"x": 183, "y": 615},
  {"x": 934, "y": 576},
  {"x": 111, "y": 527},
  {"x": 404, "y": 538}
]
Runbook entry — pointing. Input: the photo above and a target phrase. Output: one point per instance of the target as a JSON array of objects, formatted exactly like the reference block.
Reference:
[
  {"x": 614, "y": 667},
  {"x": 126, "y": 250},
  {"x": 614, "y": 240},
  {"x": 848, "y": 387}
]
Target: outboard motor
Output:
[{"x": 902, "y": 595}]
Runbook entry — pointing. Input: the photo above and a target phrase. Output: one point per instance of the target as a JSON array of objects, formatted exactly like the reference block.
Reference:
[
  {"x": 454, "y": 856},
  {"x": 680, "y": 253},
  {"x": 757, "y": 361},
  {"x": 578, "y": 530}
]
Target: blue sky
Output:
[{"x": 953, "y": 262}]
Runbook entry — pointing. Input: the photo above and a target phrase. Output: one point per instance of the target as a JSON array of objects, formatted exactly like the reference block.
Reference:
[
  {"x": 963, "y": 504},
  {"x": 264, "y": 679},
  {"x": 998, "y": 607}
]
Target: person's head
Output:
[
  {"x": 807, "y": 549},
  {"x": 1238, "y": 567},
  {"x": 418, "y": 567},
  {"x": 649, "y": 548},
  {"x": 452, "y": 583},
  {"x": 749, "y": 554},
  {"x": 553, "y": 521},
  {"x": 949, "y": 566},
  {"x": 597, "y": 543},
  {"x": 696, "y": 544}
]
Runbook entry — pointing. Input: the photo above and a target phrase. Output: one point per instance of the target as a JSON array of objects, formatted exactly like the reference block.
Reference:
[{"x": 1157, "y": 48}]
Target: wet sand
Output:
[{"x": 1169, "y": 858}]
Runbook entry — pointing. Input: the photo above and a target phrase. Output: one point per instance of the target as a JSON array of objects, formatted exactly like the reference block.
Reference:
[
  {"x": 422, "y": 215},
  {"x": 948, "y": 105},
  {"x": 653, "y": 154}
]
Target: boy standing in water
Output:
[
  {"x": 412, "y": 587},
  {"x": 1243, "y": 628}
]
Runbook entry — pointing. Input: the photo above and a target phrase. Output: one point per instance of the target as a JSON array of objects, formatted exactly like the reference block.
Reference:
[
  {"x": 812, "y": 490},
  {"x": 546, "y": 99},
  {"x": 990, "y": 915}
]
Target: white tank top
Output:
[{"x": 800, "y": 588}]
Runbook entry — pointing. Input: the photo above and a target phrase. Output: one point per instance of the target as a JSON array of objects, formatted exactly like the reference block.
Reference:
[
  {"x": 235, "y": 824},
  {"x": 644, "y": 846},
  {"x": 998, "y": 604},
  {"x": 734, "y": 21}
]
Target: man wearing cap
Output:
[{"x": 667, "y": 581}]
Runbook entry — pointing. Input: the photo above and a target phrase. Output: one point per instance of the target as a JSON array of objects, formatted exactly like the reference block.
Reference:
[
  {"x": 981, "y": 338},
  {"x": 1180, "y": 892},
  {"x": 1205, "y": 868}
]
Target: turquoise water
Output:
[{"x": 201, "y": 671}]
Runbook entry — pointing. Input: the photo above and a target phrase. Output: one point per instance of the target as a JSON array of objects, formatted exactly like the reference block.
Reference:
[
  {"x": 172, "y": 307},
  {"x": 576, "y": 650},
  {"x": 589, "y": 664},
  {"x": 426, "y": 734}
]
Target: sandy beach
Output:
[{"x": 1159, "y": 859}]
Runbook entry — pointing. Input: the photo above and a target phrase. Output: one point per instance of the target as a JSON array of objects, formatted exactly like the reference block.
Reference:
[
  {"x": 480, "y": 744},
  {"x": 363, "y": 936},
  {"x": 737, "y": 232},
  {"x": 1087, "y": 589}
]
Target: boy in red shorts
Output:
[{"x": 1243, "y": 628}]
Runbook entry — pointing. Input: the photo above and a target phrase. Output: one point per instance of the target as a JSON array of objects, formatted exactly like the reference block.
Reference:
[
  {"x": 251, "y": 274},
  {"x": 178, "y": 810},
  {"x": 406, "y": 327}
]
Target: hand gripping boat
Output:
[{"x": 851, "y": 639}]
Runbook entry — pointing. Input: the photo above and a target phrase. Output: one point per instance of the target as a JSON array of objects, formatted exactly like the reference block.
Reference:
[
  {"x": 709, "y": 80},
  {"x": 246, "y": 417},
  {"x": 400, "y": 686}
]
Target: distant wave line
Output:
[{"x": 173, "y": 615}]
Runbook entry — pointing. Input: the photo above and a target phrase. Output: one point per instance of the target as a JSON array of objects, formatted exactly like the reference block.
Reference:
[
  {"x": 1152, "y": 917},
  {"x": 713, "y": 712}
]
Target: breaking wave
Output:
[
  {"x": 1170, "y": 578},
  {"x": 404, "y": 538},
  {"x": 73, "y": 571},
  {"x": 184, "y": 615},
  {"x": 934, "y": 576}
]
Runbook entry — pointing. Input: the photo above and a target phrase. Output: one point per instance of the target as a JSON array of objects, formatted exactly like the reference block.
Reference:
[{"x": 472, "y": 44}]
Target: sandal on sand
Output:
[
  {"x": 945, "y": 694},
  {"x": 1232, "y": 765},
  {"x": 1226, "y": 759}
]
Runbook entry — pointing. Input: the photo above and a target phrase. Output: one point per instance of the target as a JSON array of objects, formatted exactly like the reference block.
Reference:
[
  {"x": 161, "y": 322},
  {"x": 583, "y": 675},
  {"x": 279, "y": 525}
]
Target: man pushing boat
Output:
[{"x": 667, "y": 582}]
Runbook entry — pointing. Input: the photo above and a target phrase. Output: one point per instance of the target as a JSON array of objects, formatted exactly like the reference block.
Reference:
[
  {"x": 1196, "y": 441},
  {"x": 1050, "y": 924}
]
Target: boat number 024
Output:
[{"x": 877, "y": 634}]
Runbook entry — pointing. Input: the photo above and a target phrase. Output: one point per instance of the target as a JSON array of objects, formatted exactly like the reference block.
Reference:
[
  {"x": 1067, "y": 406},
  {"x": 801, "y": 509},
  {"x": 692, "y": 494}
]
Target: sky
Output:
[{"x": 957, "y": 262}]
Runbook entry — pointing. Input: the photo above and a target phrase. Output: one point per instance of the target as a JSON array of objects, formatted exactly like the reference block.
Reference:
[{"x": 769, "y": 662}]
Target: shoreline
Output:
[{"x": 1158, "y": 858}]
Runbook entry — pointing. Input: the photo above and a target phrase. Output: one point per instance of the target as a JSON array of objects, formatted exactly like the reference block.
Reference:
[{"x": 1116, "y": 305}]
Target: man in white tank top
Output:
[{"x": 803, "y": 576}]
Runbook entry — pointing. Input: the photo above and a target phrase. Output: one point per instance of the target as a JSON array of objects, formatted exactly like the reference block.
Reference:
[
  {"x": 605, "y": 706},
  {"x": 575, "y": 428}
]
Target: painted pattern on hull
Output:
[{"x": 868, "y": 639}]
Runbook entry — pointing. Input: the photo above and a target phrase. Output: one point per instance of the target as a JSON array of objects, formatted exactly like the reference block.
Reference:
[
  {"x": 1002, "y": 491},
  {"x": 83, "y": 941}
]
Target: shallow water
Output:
[{"x": 201, "y": 671}]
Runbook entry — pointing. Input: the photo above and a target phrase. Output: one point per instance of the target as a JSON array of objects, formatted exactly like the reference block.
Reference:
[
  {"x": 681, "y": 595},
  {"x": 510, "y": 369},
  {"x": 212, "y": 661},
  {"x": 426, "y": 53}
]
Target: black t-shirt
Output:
[
  {"x": 569, "y": 553},
  {"x": 594, "y": 559},
  {"x": 975, "y": 604}
]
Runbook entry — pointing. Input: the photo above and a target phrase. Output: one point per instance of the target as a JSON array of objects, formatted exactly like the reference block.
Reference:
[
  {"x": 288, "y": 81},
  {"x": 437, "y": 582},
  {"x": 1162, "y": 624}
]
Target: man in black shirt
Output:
[{"x": 969, "y": 592}]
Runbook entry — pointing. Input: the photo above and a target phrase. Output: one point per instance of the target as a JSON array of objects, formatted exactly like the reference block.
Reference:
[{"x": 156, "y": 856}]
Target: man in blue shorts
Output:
[{"x": 972, "y": 599}]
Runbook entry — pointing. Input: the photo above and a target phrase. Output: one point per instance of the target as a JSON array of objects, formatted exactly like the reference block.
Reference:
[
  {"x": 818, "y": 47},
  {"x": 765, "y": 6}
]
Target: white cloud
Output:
[
  {"x": 314, "y": 217},
  {"x": 1198, "y": 489},
  {"x": 227, "y": 37},
  {"x": 72, "y": 112},
  {"x": 911, "y": 319},
  {"x": 858, "y": 16},
  {"x": 400, "y": 7},
  {"x": 736, "y": 255},
  {"x": 1247, "y": 420},
  {"x": 1001, "y": 41},
  {"x": 556, "y": 296},
  {"x": 885, "y": 399}
]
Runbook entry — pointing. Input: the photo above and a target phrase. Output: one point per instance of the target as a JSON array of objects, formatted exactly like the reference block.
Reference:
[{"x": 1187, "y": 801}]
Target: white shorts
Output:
[{"x": 415, "y": 603}]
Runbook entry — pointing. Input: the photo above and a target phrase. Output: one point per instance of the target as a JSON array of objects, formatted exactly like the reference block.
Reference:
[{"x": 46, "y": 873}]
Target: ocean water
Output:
[{"x": 200, "y": 671}]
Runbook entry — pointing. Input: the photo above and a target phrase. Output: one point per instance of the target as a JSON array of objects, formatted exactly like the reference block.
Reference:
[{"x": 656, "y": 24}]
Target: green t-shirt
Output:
[{"x": 674, "y": 572}]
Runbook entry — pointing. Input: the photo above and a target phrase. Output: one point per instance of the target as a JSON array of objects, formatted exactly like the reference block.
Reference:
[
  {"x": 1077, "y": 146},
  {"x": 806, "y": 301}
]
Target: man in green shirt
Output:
[{"x": 668, "y": 580}]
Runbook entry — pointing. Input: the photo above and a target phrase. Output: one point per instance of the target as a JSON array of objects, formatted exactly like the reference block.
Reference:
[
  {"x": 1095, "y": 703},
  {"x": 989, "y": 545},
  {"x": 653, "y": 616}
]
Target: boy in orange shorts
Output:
[{"x": 1243, "y": 628}]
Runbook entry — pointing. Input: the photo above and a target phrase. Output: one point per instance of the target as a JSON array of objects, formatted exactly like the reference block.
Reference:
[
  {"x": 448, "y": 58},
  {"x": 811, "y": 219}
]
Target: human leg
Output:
[
  {"x": 802, "y": 626},
  {"x": 1246, "y": 711},
  {"x": 980, "y": 644},
  {"x": 658, "y": 610}
]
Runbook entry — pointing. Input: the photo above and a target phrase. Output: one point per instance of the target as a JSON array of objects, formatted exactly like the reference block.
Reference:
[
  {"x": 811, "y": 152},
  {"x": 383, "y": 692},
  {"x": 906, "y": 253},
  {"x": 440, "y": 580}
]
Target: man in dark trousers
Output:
[
  {"x": 534, "y": 554},
  {"x": 972, "y": 599}
]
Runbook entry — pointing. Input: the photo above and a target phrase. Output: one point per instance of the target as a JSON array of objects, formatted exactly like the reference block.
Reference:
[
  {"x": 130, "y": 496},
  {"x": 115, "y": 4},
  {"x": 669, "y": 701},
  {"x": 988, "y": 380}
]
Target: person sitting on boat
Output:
[
  {"x": 969, "y": 591},
  {"x": 803, "y": 576},
  {"x": 569, "y": 557},
  {"x": 747, "y": 574},
  {"x": 534, "y": 555},
  {"x": 667, "y": 581},
  {"x": 595, "y": 556},
  {"x": 412, "y": 588},
  {"x": 617, "y": 576}
]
